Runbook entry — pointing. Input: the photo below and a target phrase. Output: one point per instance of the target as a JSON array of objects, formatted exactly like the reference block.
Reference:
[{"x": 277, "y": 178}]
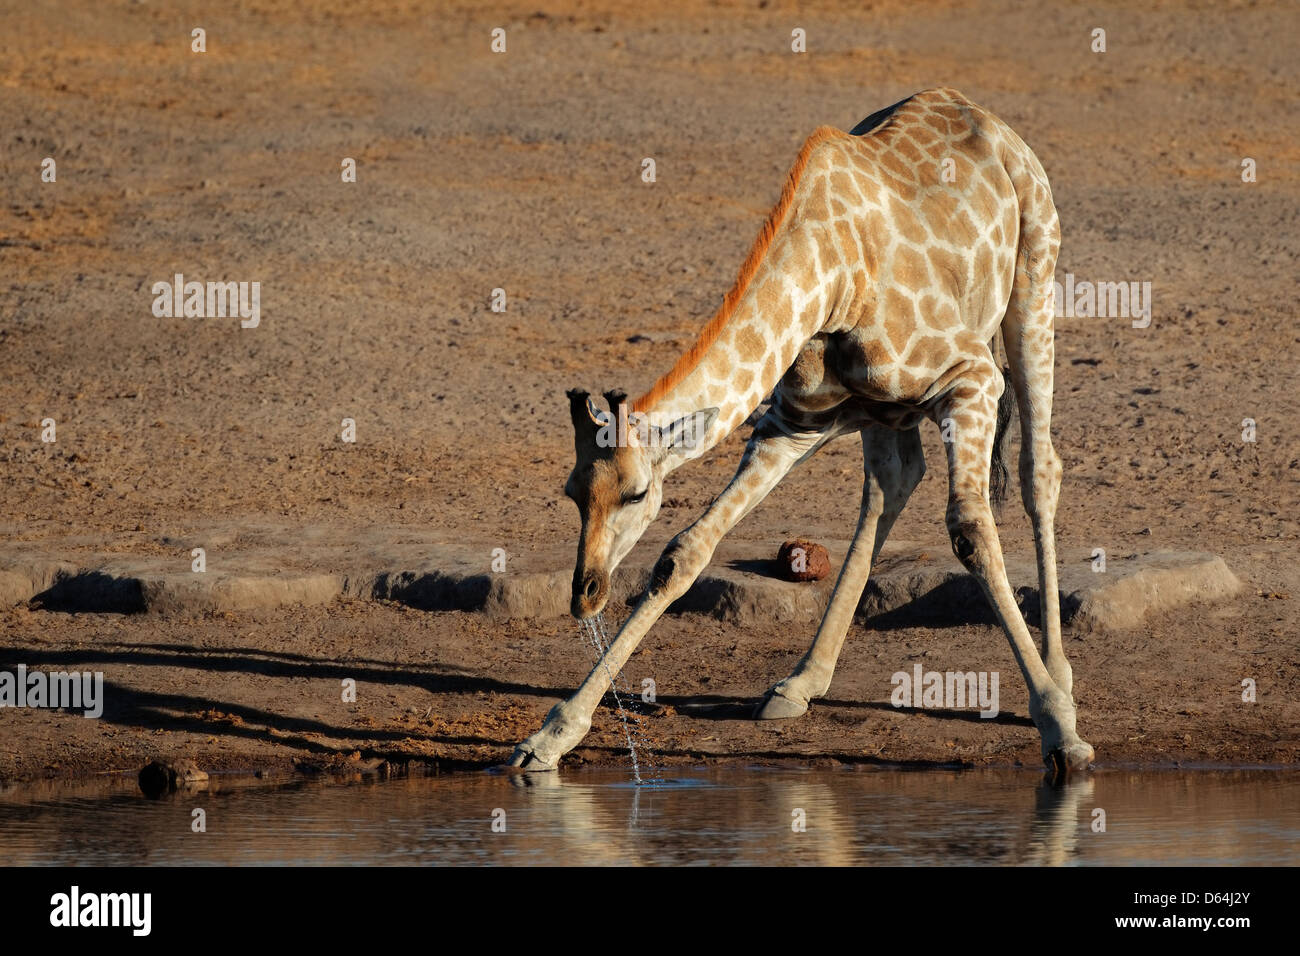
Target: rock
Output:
[
  {"x": 1149, "y": 583},
  {"x": 164, "y": 776},
  {"x": 802, "y": 560}
]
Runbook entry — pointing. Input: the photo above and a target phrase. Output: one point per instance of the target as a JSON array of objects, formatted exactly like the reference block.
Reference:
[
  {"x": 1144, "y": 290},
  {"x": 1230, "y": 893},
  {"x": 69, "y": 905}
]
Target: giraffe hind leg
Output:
[
  {"x": 1027, "y": 332},
  {"x": 971, "y": 406},
  {"x": 893, "y": 463}
]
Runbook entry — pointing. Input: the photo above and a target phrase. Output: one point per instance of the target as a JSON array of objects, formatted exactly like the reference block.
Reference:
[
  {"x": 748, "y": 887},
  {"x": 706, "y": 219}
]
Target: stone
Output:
[{"x": 803, "y": 560}]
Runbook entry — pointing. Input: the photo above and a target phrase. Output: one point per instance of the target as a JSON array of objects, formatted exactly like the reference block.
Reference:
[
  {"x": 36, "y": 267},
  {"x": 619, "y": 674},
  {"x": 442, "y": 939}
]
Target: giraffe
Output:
[{"x": 870, "y": 301}]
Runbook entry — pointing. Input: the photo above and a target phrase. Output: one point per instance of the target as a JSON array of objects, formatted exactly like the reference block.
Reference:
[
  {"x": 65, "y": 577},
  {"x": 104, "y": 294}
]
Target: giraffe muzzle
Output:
[{"x": 590, "y": 592}]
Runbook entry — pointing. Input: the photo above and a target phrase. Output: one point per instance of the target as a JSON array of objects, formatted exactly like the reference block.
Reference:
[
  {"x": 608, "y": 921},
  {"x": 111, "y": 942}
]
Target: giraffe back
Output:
[{"x": 919, "y": 215}]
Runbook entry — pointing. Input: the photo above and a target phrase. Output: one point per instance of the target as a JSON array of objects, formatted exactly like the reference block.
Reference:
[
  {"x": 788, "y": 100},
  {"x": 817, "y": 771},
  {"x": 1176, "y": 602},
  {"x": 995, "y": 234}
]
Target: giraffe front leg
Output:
[
  {"x": 569, "y": 721},
  {"x": 894, "y": 464},
  {"x": 768, "y": 458},
  {"x": 811, "y": 677}
]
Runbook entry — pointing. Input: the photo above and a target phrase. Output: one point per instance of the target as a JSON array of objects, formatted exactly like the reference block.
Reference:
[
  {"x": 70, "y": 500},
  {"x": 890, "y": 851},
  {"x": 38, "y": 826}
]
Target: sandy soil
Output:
[{"x": 520, "y": 171}]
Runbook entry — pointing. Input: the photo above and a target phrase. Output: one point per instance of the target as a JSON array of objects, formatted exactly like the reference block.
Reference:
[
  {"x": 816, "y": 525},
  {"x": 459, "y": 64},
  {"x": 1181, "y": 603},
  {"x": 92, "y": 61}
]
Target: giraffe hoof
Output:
[
  {"x": 776, "y": 707},
  {"x": 1063, "y": 761},
  {"x": 526, "y": 759},
  {"x": 563, "y": 730}
]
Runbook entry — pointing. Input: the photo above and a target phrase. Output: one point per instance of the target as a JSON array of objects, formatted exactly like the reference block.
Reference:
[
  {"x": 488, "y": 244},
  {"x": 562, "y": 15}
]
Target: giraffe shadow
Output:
[
  {"x": 952, "y": 600},
  {"x": 91, "y": 592},
  {"x": 956, "y": 602},
  {"x": 718, "y": 707},
  {"x": 939, "y": 713},
  {"x": 763, "y": 567}
]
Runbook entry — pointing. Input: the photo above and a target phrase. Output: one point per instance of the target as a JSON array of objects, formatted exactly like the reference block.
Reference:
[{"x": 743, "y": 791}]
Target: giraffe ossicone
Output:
[{"x": 871, "y": 301}]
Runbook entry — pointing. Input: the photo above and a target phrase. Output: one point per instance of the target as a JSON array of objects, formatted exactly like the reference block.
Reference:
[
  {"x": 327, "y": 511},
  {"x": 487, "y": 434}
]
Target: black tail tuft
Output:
[{"x": 998, "y": 474}]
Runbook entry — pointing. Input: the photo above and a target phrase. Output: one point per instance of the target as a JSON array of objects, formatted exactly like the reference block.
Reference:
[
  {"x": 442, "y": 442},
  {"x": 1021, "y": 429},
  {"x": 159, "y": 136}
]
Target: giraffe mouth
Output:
[{"x": 590, "y": 592}]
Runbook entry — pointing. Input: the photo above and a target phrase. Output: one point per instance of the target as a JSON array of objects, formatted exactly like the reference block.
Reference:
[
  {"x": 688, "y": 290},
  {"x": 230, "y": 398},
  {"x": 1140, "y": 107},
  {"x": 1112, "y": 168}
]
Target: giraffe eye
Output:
[{"x": 634, "y": 499}]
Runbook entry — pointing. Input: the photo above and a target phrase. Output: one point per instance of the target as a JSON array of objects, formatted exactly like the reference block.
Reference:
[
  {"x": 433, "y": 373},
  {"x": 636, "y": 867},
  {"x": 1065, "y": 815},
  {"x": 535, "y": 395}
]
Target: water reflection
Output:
[{"x": 703, "y": 816}]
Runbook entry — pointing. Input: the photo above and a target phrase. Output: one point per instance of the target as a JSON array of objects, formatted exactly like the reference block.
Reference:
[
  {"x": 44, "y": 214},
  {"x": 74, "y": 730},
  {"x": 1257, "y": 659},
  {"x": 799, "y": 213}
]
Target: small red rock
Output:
[{"x": 803, "y": 560}]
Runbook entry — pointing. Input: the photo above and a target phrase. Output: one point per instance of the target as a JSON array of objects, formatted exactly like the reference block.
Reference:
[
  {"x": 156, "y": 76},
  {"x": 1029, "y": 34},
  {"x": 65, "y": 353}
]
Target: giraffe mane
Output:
[{"x": 687, "y": 362}]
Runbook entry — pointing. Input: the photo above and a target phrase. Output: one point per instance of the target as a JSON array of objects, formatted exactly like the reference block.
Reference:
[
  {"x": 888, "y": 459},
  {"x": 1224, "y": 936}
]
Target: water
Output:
[
  {"x": 599, "y": 640},
  {"x": 730, "y": 815}
]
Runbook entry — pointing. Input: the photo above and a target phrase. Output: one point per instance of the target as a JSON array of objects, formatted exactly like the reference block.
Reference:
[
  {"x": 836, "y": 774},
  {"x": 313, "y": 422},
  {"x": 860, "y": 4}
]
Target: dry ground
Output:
[{"x": 520, "y": 171}]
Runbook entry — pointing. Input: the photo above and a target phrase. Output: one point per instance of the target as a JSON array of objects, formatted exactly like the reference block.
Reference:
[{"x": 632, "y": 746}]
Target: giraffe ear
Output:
[
  {"x": 587, "y": 419},
  {"x": 686, "y": 434},
  {"x": 598, "y": 418}
]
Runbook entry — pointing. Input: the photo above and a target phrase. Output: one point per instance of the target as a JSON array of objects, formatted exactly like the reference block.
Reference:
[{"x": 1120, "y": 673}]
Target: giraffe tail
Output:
[{"x": 999, "y": 475}]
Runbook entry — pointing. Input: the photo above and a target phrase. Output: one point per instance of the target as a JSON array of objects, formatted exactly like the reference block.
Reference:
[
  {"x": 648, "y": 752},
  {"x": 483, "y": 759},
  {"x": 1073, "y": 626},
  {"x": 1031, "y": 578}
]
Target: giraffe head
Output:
[{"x": 617, "y": 484}]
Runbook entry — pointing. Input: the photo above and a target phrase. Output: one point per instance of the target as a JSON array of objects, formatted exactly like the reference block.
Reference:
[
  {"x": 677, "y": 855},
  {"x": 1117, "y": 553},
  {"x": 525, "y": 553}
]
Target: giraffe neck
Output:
[
  {"x": 779, "y": 300},
  {"x": 741, "y": 356}
]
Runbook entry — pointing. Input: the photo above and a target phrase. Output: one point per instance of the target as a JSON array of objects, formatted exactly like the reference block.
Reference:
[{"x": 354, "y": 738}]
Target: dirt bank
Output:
[{"x": 453, "y": 691}]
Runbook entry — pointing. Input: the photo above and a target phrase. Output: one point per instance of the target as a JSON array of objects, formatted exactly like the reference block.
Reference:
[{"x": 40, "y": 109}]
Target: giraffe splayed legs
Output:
[
  {"x": 893, "y": 258},
  {"x": 894, "y": 465}
]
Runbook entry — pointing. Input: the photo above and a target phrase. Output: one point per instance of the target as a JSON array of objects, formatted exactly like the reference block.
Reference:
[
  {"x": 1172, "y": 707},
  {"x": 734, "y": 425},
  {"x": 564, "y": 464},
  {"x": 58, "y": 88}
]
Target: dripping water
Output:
[
  {"x": 636, "y": 723},
  {"x": 599, "y": 641}
]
